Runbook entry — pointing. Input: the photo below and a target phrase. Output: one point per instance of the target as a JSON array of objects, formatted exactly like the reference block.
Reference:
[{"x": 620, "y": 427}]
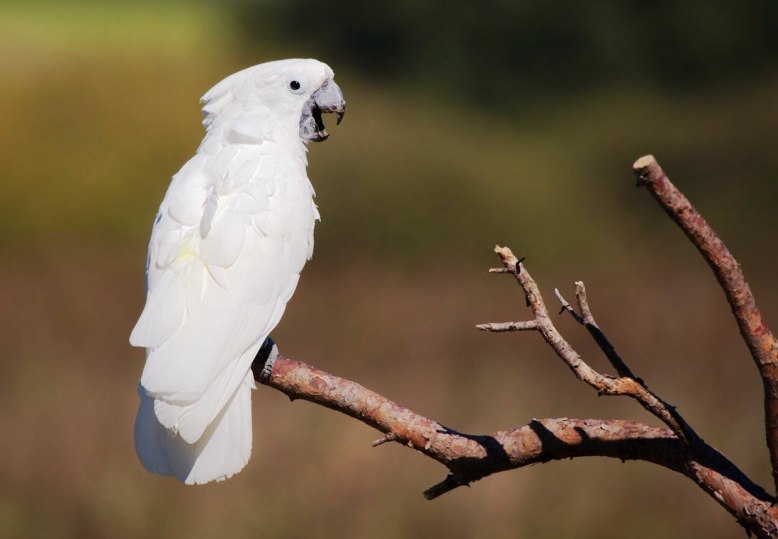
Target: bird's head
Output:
[{"x": 288, "y": 96}]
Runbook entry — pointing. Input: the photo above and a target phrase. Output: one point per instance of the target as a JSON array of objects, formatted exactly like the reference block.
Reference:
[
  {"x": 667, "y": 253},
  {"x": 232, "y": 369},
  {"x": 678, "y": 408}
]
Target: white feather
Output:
[
  {"x": 222, "y": 451},
  {"x": 162, "y": 315}
]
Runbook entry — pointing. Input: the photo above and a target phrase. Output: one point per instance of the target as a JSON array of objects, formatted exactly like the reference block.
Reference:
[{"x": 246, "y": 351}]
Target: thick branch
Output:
[
  {"x": 472, "y": 457},
  {"x": 757, "y": 335}
]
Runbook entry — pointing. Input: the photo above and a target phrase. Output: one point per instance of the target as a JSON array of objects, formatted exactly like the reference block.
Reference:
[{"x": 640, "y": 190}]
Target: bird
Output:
[{"x": 227, "y": 246}]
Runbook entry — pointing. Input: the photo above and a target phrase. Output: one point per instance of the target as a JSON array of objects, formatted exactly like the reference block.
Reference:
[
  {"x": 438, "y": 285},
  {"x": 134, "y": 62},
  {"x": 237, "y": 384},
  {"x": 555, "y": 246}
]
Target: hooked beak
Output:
[{"x": 328, "y": 98}]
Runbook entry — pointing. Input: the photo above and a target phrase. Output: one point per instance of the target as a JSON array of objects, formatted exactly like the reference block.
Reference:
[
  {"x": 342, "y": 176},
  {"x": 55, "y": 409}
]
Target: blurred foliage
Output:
[
  {"x": 99, "y": 107},
  {"x": 498, "y": 51},
  {"x": 408, "y": 175}
]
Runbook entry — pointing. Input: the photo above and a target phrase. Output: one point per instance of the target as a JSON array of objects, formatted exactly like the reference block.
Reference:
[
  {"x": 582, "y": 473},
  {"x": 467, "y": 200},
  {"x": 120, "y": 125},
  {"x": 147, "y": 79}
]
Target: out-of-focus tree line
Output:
[{"x": 499, "y": 49}]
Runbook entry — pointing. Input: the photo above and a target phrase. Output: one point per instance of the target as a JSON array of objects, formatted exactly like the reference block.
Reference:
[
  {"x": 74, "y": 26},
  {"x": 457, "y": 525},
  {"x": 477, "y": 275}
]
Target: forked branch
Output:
[
  {"x": 678, "y": 447},
  {"x": 586, "y": 319},
  {"x": 604, "y": 384}
]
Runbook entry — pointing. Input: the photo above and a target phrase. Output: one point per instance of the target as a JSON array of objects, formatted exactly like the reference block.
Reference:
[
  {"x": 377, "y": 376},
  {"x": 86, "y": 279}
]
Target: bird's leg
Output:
[{"x": 262, "y": 366}]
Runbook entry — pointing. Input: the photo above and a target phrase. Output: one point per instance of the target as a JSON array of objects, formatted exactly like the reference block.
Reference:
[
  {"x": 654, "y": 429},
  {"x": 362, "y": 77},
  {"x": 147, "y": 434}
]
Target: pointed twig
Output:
[
  {"x": 497, "y": 327},
  {"x": 566, "y": 307},
  {"x": 583, "y": 303},
  {"x": 388, "y": 437},
  {"x": 586, "y": 319}
]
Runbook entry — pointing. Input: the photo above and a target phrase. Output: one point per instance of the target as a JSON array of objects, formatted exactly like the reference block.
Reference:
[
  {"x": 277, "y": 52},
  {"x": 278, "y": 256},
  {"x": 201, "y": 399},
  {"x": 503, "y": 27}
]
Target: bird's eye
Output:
[{"x": 294, "y": 85}]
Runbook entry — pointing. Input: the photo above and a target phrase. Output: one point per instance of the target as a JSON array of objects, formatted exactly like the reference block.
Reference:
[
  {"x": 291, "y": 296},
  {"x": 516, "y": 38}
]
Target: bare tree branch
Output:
[
  {"x": 753, "y": 328},
  {"x": 583, "y": 304},
  {"x": 586, "y": 319},
  {"x": 496, "y": 327},
  {"x": 605, "y": 385},
  {"x": 566, "y": 307},
  {"x": 470, "y": 457}
]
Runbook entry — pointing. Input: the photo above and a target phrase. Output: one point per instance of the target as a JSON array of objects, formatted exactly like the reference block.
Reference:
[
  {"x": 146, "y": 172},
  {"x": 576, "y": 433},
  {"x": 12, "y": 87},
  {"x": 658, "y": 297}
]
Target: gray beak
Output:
[{"x": 328, "y": 98}]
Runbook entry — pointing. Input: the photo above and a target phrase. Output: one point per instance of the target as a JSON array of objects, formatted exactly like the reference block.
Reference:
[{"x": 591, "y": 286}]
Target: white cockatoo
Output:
[{"x": 227, "y": 246}]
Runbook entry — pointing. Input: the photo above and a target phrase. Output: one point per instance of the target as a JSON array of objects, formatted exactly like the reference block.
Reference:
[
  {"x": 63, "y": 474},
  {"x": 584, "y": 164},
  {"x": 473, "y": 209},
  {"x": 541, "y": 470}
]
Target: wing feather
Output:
[
  {"x": 162, "y": 315},
  {"x": 233, "y": 281},
  {"x": 224, "y": 242}
]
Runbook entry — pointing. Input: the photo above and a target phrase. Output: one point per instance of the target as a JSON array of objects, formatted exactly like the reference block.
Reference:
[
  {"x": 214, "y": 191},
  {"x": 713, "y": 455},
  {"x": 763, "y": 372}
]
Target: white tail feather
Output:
[
  {"x": 191, "y": 420},
  {"x": 222, "y": 451}
]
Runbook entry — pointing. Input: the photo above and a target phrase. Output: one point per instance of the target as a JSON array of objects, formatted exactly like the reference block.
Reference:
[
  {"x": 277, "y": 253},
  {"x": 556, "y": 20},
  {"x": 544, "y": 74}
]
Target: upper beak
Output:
[{"x": 328, "y": 98}]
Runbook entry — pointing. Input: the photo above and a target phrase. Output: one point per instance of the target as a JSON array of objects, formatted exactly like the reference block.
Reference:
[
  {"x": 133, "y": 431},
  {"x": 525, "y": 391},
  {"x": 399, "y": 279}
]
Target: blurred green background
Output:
[{"x": 468, "y": 125}]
